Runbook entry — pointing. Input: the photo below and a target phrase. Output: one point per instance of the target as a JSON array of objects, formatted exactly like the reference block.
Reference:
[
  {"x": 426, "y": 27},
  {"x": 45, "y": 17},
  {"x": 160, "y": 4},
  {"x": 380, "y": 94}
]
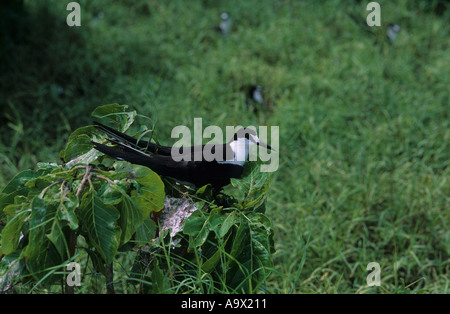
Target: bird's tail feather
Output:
[
  {"x": 124, "y": 152},
  {"x": 120, "y": 136},
  {"x": 131, "y": 141},
  {"x": 163, "y": 165}
]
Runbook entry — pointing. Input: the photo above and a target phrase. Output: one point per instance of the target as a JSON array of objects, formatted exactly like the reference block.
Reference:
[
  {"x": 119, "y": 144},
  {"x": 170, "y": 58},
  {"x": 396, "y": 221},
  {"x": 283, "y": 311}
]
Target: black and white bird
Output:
[
  {"x": 225, "y": 24},
  {"x": 392, "y": 32},
  {"x": 255, "y": 93},
  {"x": 197, "y": 172},
  {"x": 255, "y": 98}
]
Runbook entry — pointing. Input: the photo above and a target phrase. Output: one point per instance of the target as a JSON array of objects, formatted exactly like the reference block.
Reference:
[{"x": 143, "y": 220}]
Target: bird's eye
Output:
[{"x": 247, "y": 136}]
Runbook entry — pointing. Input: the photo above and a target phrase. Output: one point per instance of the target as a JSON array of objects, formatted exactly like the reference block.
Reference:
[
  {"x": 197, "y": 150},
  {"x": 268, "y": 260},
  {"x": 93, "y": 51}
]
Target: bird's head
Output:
[{"x": 249, "y": 137}]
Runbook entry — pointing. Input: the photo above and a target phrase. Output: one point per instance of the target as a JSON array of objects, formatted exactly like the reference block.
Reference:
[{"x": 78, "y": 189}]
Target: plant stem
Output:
[
  {"x": 72, "y": 234},
  {"x": 83, "y": 181},
  {"x": 72, "y": 243},
  {"x": 110, "y": 279},
  {"x": 49, "y": 187}
]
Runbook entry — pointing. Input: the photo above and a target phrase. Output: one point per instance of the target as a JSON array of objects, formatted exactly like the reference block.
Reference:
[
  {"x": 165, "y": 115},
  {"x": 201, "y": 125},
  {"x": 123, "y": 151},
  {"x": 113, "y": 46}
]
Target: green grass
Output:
[{"x": 364, "y": 128}]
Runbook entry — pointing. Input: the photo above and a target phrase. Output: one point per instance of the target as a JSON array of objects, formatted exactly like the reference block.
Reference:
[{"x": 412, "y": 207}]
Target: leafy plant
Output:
[
  {"x": 91, "y": 208},
  {"x": 235, "y": 241}
]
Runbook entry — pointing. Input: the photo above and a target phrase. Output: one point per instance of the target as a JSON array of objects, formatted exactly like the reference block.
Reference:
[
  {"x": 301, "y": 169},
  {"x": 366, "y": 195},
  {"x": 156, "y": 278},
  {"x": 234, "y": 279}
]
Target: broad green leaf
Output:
[
  {"x": 110, "y": 194},
  {"x": 230, "y": 220},
  {"x": 149, "y": 193},
  {"x": 97, "y": 261},
  {"x": 84, "y": 159},
  {"x": 251, "y": 250},
  {"x": 48, "y": 165},
  {"x": 117, "y": 114},
  {"x": 148, "y": 190},
  {"x": 58, "y": 239},
  {"x": 239, "y": 241},
  {"x": 205, "y": 192},
  {"x": 76, "y": 147},
  {"x": 37, "y": 185},
  {"x": 209, "y": 265},
  {"x": 11, "y": 232},
  {"x": 23, "y": 177},
  {"x": 79, "y": 149},
  {"x": 17, "y": 186},
  {"x": 145, "y": 233},
  {"x": 216, "y": 219},
  {"x": 7, "y": 199},
  {"x": 99, "y": 222},
  {"x": 253, "y": 186},
  {"x": 159, "y": 281},
  {"x": 197, "y": 227},
  {"x": 39, "y": 253},
  {"x": 199, "y": 224},
  {"x": 84, "y": 130},
  {"x": 130, "y": 218},
  {"x": 66, "y": 212},
  {"x": 259, "y": 220}
]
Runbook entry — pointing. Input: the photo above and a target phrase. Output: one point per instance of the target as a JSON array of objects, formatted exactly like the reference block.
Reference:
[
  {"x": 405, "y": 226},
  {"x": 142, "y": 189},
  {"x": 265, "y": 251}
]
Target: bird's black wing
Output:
[{"x": 198, "y": 173}]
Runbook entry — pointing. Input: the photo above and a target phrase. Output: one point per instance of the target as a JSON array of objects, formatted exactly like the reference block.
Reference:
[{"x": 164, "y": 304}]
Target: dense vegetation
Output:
[
  {"x": 364, "y": 125},
  {"x": 101, "y": 213}
]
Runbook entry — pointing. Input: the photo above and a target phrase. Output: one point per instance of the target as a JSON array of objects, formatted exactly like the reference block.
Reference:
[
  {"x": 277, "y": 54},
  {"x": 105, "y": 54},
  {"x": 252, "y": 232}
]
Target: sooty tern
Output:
[
  {"x": 225, "y": 24},
  {"x": 254, "y": 97},
  {"x": 216, "y": 171},
  {"x": 392, "y": 32}
]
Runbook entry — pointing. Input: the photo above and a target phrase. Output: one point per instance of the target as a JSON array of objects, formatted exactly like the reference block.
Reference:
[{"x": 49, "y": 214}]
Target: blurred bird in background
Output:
[
  {"x": 225, "y": 24},
  {"x": 254, "y": 98},
  {"x": 392, "y": 32},
  {"x": 258, "y": 101}
]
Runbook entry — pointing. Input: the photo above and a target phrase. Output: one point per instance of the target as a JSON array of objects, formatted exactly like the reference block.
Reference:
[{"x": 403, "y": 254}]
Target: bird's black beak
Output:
[{"x": 261, "y": 143}]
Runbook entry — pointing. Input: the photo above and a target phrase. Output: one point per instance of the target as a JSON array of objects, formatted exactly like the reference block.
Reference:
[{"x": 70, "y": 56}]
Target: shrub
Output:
[{"x": 96, "y": 211}]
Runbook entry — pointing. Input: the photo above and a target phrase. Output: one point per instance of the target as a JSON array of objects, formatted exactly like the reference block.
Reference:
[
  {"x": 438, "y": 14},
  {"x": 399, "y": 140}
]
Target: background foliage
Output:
[{"x": 364, "y": 127}]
